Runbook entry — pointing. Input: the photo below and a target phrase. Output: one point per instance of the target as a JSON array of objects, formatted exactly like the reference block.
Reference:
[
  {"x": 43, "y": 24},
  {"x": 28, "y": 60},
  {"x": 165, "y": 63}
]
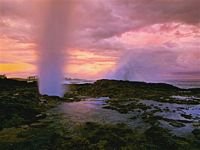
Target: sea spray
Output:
[
  {"x": 52, "y": 44},
  {"x": 140, "y": 65}
]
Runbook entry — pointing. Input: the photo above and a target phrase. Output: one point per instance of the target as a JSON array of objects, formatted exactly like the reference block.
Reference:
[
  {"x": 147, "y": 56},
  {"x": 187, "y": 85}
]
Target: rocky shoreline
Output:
[{"x": 32, "y": 121}]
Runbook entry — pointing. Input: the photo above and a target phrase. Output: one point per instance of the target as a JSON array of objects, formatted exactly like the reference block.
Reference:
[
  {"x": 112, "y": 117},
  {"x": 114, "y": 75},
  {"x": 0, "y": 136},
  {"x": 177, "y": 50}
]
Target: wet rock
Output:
[
  {"x": 196, "y": 133},
  {"x": 25, "y": 126},
  {"x": 166, "y": 109},
  {"x": 16, "y": 94},
  {"x": 134, "y": 117},
  {"x": 177, "y": 124},
  {"x": 156, "y": 107},
  {"x": 41, "y": 116},
  {"x": 43, "y": 101},
  {"x": 186, "y": 116},
  {"x": 196, "y": 124},
  {"x": 37, "y": 125}
]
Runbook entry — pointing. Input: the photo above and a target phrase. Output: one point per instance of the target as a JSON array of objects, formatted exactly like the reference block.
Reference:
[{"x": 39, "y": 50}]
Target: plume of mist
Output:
[
  {"x": 52, "y": 44},
  {"x": 141, "y": 65}
]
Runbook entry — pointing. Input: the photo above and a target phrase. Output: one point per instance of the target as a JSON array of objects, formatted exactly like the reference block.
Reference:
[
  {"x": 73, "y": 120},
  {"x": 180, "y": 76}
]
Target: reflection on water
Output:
[
  {"x": 175, "y": 110},
  {"x": 91, "y": 110}
]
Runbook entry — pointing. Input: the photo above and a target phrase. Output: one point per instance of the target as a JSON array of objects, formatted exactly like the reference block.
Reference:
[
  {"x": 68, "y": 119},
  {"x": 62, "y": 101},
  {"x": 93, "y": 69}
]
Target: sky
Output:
[{"x": 123, "y": 39}]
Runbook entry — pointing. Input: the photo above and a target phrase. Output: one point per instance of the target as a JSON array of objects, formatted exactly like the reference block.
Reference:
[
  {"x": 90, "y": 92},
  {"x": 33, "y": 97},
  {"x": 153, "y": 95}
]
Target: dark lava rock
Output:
[
  {"x": 186, "y": 116},
  {"x": 41, "y": 116},
  {"x": 177, "y": 124},
  {"x": 196, "y": 133}
]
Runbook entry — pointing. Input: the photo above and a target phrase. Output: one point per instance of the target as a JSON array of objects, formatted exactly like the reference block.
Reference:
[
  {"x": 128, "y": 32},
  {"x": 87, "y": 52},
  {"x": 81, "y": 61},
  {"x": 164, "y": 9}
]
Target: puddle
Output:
[
  {"x": 91, "y": 110},
  {"x": 179, "y": 109}
]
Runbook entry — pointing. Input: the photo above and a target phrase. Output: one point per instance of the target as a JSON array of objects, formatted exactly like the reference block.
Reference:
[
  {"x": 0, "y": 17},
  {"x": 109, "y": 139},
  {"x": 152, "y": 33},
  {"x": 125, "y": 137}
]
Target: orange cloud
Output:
[
  {"x": 86, "y": 64},
  {"x": 15, "y": 67},
  {"x": 104, "y": 31}
]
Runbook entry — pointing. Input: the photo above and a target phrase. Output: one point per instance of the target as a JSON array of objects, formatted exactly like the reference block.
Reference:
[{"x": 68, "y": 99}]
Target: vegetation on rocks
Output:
[
  {"x": 135, "y": 90},
  {"x": 27, "y": 122}
]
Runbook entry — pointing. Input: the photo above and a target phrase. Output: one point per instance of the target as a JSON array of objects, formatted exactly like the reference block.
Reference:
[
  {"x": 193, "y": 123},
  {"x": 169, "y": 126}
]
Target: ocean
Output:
[
  {"x": 185, "y": 84},
  {"x": 181, "y": 84}
]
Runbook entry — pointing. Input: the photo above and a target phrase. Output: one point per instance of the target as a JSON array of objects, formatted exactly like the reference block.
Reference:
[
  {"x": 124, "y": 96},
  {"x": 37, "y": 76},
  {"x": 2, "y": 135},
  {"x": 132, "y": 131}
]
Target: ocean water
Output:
[
  {"x": 181, "y": 84},
  {"x": 185, "y": 84}
]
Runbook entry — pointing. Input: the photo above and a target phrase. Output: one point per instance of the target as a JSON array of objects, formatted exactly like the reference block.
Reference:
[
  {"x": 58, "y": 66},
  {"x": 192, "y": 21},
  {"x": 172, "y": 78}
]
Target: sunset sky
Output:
[{"x": 132, "y": 39}]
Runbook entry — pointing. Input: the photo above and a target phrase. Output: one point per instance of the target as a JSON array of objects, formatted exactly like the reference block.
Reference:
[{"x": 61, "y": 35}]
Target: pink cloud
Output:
[{"x": 157, "y": 38}]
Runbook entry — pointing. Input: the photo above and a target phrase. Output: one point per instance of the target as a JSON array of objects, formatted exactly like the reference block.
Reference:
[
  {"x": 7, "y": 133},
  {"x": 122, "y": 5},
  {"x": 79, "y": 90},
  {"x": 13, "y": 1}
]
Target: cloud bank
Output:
[{"x": 154, "y": 40}]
